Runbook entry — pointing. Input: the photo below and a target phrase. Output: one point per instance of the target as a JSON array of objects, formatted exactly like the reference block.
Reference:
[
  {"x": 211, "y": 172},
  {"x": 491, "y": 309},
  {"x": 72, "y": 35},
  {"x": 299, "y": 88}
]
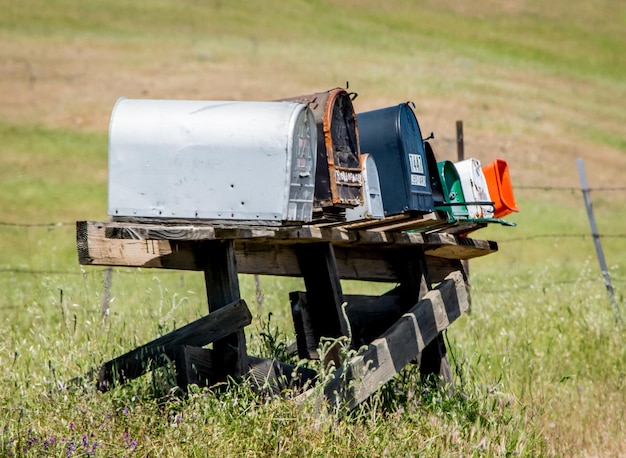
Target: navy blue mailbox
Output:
[{"x": 392, "y": 135}]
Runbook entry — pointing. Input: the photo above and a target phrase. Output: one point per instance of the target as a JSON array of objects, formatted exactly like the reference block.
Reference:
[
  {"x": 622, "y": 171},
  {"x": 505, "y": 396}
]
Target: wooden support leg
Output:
[
  {"x": 161, "y": 351},
  {"x": 324, "y": 296},
  {"x": 410, "y": 266},
  {"x": 307, "y": 340},
  {"x": 386, "y": 356},
  {"x": 222, "y": 286}
]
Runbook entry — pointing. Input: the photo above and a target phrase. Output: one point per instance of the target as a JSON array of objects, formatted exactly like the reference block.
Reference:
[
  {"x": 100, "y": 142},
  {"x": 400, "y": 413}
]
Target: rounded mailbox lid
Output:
[
  {"x": 225, "y": 160},
  {"x": 393, "y": 136},
  {"x": 338, "y": 176}
]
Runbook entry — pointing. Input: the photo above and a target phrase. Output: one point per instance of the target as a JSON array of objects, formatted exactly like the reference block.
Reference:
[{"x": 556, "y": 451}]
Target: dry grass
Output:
[
  {"x": 539, "y": 122},
  {"x": 538, "y": 117}
]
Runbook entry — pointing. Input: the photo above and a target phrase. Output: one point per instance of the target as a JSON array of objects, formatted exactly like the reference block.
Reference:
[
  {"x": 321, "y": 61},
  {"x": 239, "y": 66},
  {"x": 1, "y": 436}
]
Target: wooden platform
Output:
[
  {"x": 361, "y": 254},
  {"x": 415, "y": 253}
]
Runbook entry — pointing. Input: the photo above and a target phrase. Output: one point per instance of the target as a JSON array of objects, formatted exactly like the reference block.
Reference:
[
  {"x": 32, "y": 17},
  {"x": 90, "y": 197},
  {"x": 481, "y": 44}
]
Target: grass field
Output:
[{"x": 540, "y": 362}]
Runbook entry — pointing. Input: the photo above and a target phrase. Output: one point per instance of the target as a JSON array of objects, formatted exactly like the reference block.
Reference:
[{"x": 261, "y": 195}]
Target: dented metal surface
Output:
[
  {"x": 218, "y": 160},
  {"x": 338, "y": 178}
]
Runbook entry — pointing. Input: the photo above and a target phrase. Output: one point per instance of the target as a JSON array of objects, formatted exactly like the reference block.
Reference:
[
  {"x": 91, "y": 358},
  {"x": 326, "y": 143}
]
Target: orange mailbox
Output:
[{"x": 500, "y": 187}]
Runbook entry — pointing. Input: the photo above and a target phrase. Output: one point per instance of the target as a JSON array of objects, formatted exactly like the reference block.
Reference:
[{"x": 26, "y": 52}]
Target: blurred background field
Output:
[{"x": 541, "y": 358}]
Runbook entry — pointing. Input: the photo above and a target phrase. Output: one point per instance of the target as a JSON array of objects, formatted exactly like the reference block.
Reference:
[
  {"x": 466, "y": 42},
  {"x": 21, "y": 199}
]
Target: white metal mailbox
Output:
[
  {"x": 224, "y": 160},
  {"x": 475, "y": 188},
  {"x": 372, "y": 206}
]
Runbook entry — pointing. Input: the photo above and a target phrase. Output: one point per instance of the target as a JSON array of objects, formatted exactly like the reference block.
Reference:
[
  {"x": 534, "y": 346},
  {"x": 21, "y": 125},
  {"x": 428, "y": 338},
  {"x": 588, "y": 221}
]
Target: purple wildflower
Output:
[{"x": 71, "y": 448}]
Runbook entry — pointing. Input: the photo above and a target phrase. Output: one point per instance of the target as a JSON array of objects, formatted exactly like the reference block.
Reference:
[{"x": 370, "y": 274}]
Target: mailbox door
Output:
[{"x": 392, "y": 135}]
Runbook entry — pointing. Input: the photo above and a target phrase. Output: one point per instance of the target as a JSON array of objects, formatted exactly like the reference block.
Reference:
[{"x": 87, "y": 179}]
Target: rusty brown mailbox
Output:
[{"x": 338, "y": 177}]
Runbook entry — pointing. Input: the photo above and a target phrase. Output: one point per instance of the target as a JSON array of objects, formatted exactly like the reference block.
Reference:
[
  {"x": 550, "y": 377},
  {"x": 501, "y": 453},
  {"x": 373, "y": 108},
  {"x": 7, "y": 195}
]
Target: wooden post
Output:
[
  {"x": 460, "y": 146},
  {"x": 222, "y": 287},
  {"x": 159, "y": 352},
  {"x": 410, "y": 266},
  {"x": 307, "y": 339},
  {"x": 324, "y": 296},
  {"x": 460, "y": 155},
  {"x": 596, "y": 239},
  {"x": 387, "y": 355}
]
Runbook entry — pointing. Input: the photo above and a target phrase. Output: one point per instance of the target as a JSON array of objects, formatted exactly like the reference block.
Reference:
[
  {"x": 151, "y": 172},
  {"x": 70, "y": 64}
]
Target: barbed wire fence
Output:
[{"x": 106, "y": 272}]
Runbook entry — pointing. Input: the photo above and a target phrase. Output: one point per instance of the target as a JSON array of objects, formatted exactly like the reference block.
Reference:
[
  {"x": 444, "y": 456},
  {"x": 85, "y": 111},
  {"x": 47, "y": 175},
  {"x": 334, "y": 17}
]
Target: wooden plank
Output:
[
  {"x": 116, "y": 230},
  {"x": 318, "y": 267},
  {"x": 274, "y": 377},
  {"x": 428, "y": 220},
  {"x": 150, "y": 229},
  {"x": 396, "y": 222},
  {"x": 222, "y": 287},
  {"x": 371, "y": 223},
  {"x": 192, "y": 232},
  {"x": 455, "y": 247},
  {"x": 386, "y": 356},
  {"x": 460, "y": 227},
  {"x": 314, "y": 234},
  {"x": 101, "y": 240},
  {"x": 354, "y": 262},
  {"x": 94, "y": 248},
  {"x": 195, "y": 366},
  {"x": 159, "y": 352},
  {"x": 153, "y": 235},
  {"x": 307, "y": 341}
]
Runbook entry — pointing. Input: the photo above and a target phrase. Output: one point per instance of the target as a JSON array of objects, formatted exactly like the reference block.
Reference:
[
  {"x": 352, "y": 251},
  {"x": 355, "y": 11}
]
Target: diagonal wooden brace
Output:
[
  {"x": 210, "y": 328},
  {"x": 386, "y": 356}
]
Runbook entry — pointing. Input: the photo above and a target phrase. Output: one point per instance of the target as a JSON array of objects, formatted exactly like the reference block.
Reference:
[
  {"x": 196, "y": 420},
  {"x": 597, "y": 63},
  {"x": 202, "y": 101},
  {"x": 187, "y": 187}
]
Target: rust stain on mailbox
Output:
[{"x": 339, "y": 184}]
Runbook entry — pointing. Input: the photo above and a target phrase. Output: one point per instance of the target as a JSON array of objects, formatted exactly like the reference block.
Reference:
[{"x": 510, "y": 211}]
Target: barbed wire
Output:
[
  {"x": 522, "y": 187},
  {"x": 18, "y": 271},
  {"x": 572, "y": 188},
  {"x": 548, "y": 285},
  {"x": 27, "y": 225},
  {"x": 502, "y": 240},
  {"x": 545, "y": 236},
  {"x": 90, "y": 271}
]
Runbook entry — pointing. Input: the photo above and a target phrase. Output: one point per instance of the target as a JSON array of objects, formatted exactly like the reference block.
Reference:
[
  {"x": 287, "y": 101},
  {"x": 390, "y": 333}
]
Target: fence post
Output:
[
  {"x": 106, "y": 293},
  {"x": 596, "y": 238},
  {"x": 460, "y": 155}
]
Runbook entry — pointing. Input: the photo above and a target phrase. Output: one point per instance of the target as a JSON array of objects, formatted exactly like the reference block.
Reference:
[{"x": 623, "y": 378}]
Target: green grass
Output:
[
  {"x": 537, "y": 355},
  {"x": 51, "y": 175}
]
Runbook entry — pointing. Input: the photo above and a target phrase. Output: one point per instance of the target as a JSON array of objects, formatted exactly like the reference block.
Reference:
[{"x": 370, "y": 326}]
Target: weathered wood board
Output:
[
  {"x": 208, "y": 329},
  {"x": 386, "y": 356},
  {"x": 360, "y": 255}
]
